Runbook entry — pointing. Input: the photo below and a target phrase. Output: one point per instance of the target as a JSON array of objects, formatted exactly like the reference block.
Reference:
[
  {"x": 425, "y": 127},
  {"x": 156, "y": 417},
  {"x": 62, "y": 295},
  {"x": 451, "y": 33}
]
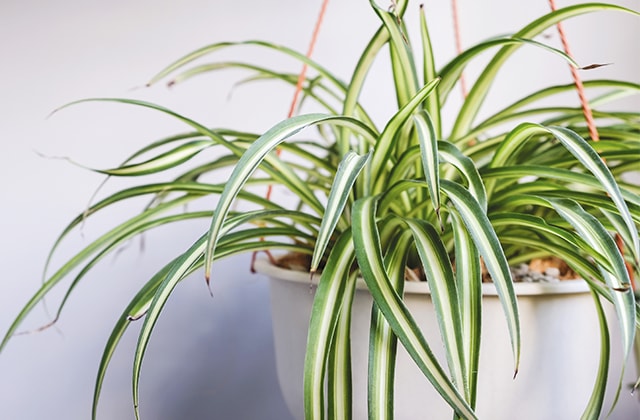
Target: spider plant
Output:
[{"x": 376, "y": 198}]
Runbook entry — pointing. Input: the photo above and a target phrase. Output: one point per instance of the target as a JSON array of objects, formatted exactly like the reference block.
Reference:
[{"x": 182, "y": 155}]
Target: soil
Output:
[{"x": 548, "y": 266}]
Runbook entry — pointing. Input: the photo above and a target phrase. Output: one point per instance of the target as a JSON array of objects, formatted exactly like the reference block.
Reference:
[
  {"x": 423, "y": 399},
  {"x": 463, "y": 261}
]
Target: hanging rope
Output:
[
  {"x": 586, "y": 108},
  {"x": 296, "y": 95},
  {"x": 303, "y": 74},
  {"x": 458, "y": 40},
  {"x": 591, "y": 124}
]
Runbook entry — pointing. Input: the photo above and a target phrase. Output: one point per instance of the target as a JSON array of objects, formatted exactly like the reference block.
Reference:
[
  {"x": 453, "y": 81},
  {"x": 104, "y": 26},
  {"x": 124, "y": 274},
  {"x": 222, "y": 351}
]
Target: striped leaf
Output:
[
  {"x": 324, "y": 317},
  {"x": 348, "y": 171},
  {"x": 444, "y": 294},
  {"x": 486, "y": 241},
  {"x": 450, "y": 154},
  {"x": 585, "y": 154},
  {"x": 429, "y": 151},
  {"x": 381, "y": 155},
  {"x": 253, "y": 157},
  {"x": 402, "y": 62},
  {"x": 382, "y": 342},
  {"x": 478, "y": 92},
  {"x": 469, "y": 282},
  {"x": 450, "y": 74},
  {"x": 166, "y": 160},
  {"x": 432, "y": 103},
  {"x": 590, "y": 159},
  {"x": 123, "y": 322},
  {"x": 339, "y": 399},
  {"x": 369, "y": 257},
  {"x": 596, "y": 401},
  {"x": 591, "y": 230},
  {"x": 177, "y": 272}
]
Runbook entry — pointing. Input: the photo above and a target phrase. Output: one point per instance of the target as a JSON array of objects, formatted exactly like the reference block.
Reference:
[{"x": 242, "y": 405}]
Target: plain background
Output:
[{"x": 209, "y": 357}]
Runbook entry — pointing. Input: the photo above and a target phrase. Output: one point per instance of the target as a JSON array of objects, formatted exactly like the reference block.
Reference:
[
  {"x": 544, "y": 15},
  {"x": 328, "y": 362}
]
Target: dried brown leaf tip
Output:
[{"x": 595, "y": 66}]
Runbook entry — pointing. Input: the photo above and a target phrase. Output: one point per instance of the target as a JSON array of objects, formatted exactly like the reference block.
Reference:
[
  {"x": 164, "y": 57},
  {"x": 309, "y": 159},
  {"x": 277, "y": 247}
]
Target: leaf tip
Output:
[
  {"x": 55, "y": 111},
  {"x": 440, "y": 223},
  {"x": 594, "y": 66},
  {"x": 624, "y": 288},
  {"x": 207, "y": 279}
]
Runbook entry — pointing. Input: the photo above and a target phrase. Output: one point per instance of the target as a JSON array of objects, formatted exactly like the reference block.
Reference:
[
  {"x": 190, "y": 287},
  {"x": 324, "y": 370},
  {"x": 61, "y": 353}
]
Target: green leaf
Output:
[
  {"x": 452, "y": 72},
  {"x": 592, "y": 231},
  {"x": 381, "y": 158},
  {"x": 370, "y": 261},
  {"x": 469, "y": 281},
  {"x": 382, "y": 342},
  {"x": 402, "y": 62},
  {"x": 117, "y": 233},
  {"x": 339, "y": 381},
  {"x": 251, "y": 160},
  {"x": 485, "y": 239},
  {"x": 584, "y": 153},
  {"x": 348, "y": 170},
  {"x": 429, "y": 151},
  {"x": 617, "y": 87},
  {"x": 167, "y": 160},
  {"x": 444, "y": 294},
  {"x": 478, "y": 92},
  {"x": 146, "y": 292},
  {"x": 596, "y": 401},
  {"x": 466, "y": 166},
  {"x": 324, "y": 317},
  {"x": 432, "y": 103}
]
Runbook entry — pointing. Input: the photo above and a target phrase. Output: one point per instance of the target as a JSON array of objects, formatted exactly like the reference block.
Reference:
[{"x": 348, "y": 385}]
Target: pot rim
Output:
[{"x": 263, "y": 266}]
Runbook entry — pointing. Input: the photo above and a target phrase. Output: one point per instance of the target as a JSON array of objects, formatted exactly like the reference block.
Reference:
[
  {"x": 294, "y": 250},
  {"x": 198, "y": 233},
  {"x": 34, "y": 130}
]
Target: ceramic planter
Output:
[{"x": 560, "y": 350}]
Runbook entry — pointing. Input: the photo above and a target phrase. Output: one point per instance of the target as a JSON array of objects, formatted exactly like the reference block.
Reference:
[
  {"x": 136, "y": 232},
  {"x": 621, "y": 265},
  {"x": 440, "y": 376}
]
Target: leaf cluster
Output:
[{"x": 521, "y": 183}]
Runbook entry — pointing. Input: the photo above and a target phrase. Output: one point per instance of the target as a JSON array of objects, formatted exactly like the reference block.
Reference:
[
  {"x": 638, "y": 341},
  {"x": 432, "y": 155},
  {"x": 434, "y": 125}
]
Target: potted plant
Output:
[{"x": 410, "y": 198}]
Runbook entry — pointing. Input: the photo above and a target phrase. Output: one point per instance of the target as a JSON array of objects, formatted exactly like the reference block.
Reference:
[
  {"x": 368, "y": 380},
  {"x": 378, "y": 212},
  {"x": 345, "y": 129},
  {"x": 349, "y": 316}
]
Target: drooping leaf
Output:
[
  {"x": 324, "y": 318},
  {"x": 469, "y": 282},
  {"x": 430, "y": 159},
  {"x": 382, "y": 342},
  {"x": 489, "y": 247},
  {"x": 348, "y": 171},
  {"x": 444, "y": 295},
  {"x": 251, "y": 160},
  {"x": 370, "y": 261}
]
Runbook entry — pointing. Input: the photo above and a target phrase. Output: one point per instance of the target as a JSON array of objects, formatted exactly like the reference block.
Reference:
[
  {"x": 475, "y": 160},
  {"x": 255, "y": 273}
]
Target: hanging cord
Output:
[
  {"x": 593, "y": 130},
  {"x": 458, "y": 41},
  {"x": 294, "y": 102},
  {"x": 586, "y": 108},
  {"x": 303, "y": 73}
]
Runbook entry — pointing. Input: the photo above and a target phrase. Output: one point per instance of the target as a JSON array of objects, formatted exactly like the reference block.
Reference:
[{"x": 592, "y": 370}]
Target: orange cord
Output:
[
  {"x": 303, "y": 74},
  {"x": 586, "y": 108},
  {"x": 296, "y": 95},
  {"x": 458, "y": 40},
  {"x": 593, "y": 131}
]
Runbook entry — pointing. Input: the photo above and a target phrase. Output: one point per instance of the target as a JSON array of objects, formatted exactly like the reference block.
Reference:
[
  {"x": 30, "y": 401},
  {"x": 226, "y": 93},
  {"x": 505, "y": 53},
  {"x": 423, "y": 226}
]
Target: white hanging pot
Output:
[{"x": 559, "y": 361}]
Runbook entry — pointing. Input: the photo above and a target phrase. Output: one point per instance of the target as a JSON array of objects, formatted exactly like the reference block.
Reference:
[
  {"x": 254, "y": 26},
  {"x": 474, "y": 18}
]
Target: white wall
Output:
[{"x": 209, "y": 358}]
